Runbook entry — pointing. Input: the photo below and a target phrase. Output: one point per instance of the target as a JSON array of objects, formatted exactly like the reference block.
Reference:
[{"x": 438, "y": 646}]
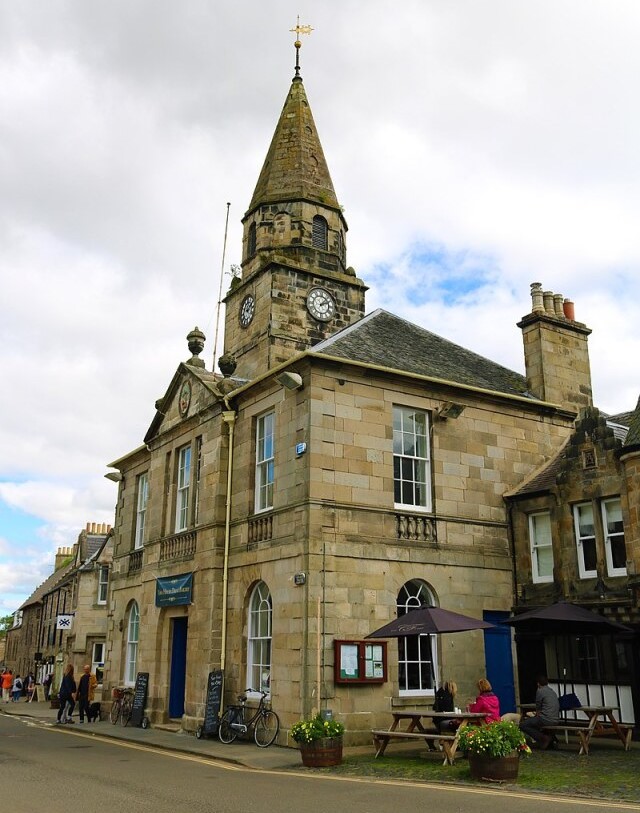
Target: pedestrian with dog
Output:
[{"x": 86, "y": 693}]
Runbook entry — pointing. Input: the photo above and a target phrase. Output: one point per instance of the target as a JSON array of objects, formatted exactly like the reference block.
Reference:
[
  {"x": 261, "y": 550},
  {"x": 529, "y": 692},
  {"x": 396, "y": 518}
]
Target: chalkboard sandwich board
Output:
[
  {"x": 140, "y": 700},
  {"x": 211, "y": 720}
]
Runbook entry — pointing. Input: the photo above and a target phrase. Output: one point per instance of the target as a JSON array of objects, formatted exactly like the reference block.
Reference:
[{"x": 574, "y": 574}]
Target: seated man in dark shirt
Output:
[{"x": 547, "y": 713}]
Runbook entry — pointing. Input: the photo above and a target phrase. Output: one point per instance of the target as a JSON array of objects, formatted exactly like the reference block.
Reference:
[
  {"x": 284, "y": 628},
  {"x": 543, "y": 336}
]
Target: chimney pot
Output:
[
  {"x": 537, "y": 304},
  {"x": 548, "y": 302},
  {"x": 557, "y": 305},
  {"x": 569, "y": 310}
]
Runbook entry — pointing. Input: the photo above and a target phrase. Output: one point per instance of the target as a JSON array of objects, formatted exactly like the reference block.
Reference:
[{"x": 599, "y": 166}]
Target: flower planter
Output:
[
  {"x": 321, "y": 753},
  {"x": 494, "y": 769}
]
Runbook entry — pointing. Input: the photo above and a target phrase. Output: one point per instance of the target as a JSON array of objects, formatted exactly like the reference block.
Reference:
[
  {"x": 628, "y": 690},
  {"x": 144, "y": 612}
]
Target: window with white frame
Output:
[
  {"x": 141, "y": 509},
  {"x": 259, "y": 639},
  {"x": 133, "y": 631},
  {"x": 196, "y": 496},
  {"x": 97, "y": 660},
  {"x": 264, "y": 461},
  {"x": 586, "y": 540},
  {"x": 184, "y": 480},
  {"x": 417, "y": 654},
  {"x": 411, "y": 466},
  {"x": 541, "y": 547},
  {"x": 103, "y": 583},
  {"x": 614, "y": 546}
]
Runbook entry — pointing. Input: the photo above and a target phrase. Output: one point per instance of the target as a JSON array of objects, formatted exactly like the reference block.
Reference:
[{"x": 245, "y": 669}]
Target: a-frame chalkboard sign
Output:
[
  {"x": 211, "y": 720},
  {"x": 140, "y": 700}
]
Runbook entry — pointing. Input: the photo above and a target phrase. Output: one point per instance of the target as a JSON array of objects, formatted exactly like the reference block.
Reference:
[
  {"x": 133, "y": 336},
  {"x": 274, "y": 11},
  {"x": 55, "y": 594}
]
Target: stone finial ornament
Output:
[
  {"x": 227, "y": 365},
  {"x": 196, "y": 340}
]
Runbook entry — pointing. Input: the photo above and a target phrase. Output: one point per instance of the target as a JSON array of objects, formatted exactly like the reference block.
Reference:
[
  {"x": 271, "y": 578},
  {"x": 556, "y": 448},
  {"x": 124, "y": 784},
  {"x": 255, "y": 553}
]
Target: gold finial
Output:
[{"x": 298, "y": 30}]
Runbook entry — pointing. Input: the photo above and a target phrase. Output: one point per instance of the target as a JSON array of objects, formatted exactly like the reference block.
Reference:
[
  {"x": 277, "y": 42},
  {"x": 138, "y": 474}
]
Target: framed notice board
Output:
[{"x": 360, "y": 661}]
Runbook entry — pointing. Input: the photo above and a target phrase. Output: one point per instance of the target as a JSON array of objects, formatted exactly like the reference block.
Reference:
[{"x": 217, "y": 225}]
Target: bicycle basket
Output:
[{"x": 117, "y": 693}]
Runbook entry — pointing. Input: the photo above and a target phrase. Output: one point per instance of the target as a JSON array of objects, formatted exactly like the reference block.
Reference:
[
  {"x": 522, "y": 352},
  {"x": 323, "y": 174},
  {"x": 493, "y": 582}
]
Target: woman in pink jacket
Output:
[{"x": 486, "y": 702}]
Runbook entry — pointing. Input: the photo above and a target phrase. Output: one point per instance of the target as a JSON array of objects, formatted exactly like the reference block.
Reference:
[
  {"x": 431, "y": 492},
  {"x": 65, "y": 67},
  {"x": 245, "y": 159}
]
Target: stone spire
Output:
[{"x": 295, "y": 167}]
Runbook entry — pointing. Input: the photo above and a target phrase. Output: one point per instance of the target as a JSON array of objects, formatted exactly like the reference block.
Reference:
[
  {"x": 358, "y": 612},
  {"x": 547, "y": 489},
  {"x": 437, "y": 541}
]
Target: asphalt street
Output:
[{"x": 104, "y": 767}]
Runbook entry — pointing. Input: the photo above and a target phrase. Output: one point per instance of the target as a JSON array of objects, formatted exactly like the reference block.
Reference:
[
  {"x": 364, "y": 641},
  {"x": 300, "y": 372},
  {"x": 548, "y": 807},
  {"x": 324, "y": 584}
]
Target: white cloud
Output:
[{"x": 503, "y": 133}]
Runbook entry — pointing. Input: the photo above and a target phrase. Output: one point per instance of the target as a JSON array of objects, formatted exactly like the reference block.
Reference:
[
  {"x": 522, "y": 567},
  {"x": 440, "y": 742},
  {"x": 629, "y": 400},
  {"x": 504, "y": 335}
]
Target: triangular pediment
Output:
[{"x": 192, "y": 389}]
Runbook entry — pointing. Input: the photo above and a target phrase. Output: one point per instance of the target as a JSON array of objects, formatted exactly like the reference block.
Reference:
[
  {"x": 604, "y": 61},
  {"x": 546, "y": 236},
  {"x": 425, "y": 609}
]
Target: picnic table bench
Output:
[
  {"x": 600, "y": 722},
  {"x": 416, "y": 731}
]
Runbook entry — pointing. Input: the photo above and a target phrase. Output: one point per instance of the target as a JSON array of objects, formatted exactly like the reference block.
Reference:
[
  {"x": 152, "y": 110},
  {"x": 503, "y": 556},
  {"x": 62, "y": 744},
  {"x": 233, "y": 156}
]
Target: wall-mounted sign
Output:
[
  {"x": 301, "y": 448},
  {"x": 174, "y": 590},
  {"x": 299, "y": 578},
  {"x": 64, "y": 621},
  {"x": 360, "y": 661}
]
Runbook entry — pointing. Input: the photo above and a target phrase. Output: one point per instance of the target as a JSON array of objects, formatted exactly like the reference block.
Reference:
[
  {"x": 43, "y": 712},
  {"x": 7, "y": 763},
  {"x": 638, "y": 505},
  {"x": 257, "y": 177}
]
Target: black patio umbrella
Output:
[
  {"x": 428, "y": 621},
  {"x": 563, "y": 616}
]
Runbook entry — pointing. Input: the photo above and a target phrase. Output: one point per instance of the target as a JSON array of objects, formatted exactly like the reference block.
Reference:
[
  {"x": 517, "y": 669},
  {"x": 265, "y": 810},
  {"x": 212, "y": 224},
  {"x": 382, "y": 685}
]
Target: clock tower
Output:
[{"x": 295, "y": 288}]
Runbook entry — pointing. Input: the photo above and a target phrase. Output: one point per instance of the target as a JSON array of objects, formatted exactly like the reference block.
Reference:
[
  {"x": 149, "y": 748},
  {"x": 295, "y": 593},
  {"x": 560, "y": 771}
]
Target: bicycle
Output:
[
  {"x": 265, "y": 722},
  {"x": 122, "y": 706}
]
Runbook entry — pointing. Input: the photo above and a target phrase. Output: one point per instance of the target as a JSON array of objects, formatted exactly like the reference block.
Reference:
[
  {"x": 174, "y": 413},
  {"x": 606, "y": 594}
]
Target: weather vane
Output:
[{"x": 299, "y": 29}]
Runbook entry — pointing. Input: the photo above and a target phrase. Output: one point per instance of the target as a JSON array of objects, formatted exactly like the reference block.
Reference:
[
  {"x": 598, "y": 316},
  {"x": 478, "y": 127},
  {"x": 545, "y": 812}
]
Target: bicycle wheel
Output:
[
  {"x": 266, "y": 728},
  {"x": 114, "y": 712},
  {"x": 125, "y": 711},
  {"x": 226, "y": 734}
]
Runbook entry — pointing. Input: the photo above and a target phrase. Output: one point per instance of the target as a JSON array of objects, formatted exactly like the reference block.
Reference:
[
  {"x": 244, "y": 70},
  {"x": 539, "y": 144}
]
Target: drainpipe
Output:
[{"x": 229, "y": 417}]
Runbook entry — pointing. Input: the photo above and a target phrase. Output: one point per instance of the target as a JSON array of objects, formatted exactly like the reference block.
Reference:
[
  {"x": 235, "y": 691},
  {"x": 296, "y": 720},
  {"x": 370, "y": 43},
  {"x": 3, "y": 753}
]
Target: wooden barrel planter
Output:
[
  {"x": 321, "y": 753},
  {"x": 494, "y": 769}
]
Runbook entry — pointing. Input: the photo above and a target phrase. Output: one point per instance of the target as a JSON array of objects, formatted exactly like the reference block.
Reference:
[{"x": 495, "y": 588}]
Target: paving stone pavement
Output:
[{"x": 241, "y": 753}]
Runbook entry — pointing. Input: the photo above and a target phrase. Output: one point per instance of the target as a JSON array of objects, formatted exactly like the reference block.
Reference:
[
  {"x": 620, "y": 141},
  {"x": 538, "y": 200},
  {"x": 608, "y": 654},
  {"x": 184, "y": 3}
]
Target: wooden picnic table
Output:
[
  {"x": 416, "y": 730},
  {"x": 598, "y": 721}
]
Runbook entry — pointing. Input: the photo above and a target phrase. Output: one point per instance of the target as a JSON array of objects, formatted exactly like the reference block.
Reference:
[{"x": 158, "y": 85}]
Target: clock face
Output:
[
  {"x": 321, "y": 304},
  {"x": 247, "y": 309}
]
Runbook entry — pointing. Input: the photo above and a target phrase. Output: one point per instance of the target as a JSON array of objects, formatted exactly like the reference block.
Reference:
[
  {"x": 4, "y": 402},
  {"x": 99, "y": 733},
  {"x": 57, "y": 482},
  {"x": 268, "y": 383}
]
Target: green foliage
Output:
[
  {"x": 6, "y": 622},
  {"x": 316, "y": 729},
  {"x": 493, "y": 740}
]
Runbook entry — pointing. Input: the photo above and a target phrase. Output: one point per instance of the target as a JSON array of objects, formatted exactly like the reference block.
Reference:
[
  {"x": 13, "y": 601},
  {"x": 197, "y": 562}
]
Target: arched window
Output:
[
  {"x": 417, "y": 654},
  {"x": 133, "y": 630},
  {"x": 259, "y": 639},
  {"x": 319, "y": 233},
  {"x": 251, "y": 240}
]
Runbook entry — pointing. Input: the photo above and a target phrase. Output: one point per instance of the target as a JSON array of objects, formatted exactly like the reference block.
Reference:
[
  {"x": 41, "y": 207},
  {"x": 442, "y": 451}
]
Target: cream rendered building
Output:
[{"x": 343, "y": 469}]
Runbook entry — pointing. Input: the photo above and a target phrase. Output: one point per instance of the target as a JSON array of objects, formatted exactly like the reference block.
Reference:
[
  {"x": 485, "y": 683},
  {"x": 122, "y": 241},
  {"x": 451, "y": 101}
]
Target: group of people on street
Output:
[
  {"x": 82, "y": 693},
  {"x": 546, "y": 714},
  {"x": 14, "y": 686}
]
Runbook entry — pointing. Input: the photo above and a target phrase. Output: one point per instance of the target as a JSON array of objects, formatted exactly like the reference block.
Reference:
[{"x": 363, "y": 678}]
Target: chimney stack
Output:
[{"x": 556, "y": 354}]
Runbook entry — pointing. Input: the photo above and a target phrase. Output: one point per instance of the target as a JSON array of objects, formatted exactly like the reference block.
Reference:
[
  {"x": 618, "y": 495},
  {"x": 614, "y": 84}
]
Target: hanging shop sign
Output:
[{"x": 173, "y": 590}]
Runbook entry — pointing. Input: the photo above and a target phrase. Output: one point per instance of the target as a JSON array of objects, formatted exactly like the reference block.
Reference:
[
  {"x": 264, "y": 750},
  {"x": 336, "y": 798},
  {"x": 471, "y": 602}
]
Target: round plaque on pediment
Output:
[{"x": 184, "y": 401}]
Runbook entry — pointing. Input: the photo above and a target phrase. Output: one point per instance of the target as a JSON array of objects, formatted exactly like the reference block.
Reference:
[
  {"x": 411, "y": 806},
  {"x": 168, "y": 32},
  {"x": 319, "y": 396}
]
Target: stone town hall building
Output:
[{"x": 342, "y": 469}]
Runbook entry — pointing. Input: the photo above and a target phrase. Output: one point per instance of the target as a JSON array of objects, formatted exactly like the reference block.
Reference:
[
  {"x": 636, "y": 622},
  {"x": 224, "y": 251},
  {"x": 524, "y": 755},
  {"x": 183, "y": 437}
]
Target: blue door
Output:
[
  {"x": 498, "y": 659},
  {"x": 178, "y": 666}
]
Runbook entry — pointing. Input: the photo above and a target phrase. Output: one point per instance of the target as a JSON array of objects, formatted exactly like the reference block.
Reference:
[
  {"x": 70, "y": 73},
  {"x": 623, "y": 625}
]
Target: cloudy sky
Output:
[{"x": 476, "y": 146}]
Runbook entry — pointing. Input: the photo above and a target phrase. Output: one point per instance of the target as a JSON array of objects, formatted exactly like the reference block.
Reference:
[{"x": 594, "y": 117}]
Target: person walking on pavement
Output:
[
  {"x": 86, "y": 692},
  {"x": 17, "y": 688},
  {"x": 67, "y": 695},
  {"x": 7, "y": 684}
]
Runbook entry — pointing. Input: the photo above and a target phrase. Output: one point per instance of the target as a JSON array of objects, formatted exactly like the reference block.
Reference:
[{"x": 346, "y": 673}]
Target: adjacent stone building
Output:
[
  {"x": 576, "y": 531},
  {"x": 342, "y": 469},
  {"x": 65, "y": 619}
]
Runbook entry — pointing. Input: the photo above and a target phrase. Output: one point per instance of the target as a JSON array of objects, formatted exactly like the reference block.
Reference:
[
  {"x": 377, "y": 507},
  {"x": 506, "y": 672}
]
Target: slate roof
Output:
[
  {"x": 633, "y": 437},
  {"x": 544, "y": 478},
  {"x": 383, "y": 339},
  {"x": 48, "y": 584}
]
